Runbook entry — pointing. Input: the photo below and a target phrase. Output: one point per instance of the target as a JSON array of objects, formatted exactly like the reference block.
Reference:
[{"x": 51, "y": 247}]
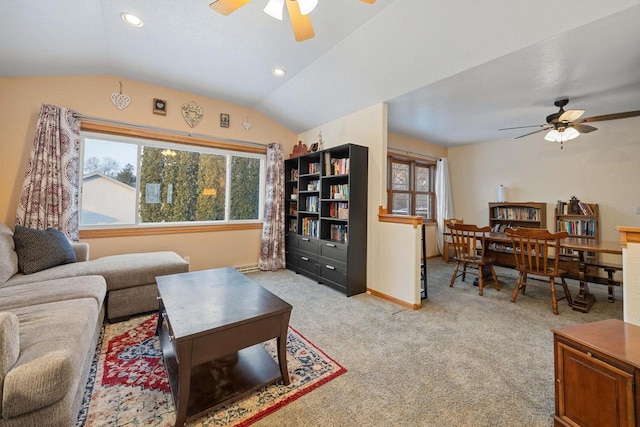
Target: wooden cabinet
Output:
[
  {"x": 509, "y": 214},
  {"x": 326, "y": 214},
  {"x": 597, "y": 366}
]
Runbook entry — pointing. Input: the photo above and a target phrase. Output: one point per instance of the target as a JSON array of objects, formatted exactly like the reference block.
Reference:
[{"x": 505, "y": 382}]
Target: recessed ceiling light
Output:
[
  {"x": 132, "y": 20},
  {"x": 278, "y": 72}
]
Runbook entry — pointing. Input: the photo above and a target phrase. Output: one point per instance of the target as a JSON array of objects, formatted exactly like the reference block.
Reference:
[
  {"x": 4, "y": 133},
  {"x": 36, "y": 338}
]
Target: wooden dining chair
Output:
[
  {"x": 446, "y": 238},
  {"x": 468, "y": 241},
  {"x": 537, "y": 253}
]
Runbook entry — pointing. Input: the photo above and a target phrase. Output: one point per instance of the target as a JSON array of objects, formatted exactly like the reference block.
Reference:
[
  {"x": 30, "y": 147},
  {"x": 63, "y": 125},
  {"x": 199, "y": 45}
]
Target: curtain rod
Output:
[
  {"x": 171, "y": 131},
  {"x": 398, "y": 150}
]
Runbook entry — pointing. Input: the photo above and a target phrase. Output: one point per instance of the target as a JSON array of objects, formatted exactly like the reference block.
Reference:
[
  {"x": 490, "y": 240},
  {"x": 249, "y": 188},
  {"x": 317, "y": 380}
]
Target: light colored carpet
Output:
[{"x": 461, "y": 360}]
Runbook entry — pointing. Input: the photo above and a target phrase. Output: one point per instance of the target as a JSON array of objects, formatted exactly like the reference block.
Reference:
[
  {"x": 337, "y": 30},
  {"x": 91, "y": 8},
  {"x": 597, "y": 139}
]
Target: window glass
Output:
[
  {"x": 400, "y": 176},
  {"x": 423, "y": 205},
  {"x": 410, "y": 187},
  {"x": 401, "y": 204},
  {"x": 109, "y": 183},
  {"x": 175, "y": 184},
  {"x": 245, "y": 184},
  {"x": 422, "y": 178}
]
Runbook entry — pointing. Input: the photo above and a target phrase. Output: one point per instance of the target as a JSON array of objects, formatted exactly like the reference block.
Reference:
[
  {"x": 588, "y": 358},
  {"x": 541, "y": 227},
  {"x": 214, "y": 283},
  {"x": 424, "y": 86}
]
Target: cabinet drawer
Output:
[
  {"x": 308, "y": 244},
  {"x": 292, "y": 240},
  {"x": 333, "y": 273},
  {"x": 334, "y": 251},
  {"x": 307, "y": 263},
  {"x": 292, "y": 260}
]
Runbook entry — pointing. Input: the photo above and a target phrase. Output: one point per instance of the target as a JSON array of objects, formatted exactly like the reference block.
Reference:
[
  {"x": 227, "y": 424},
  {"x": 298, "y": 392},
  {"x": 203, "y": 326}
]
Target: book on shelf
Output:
[
  {"x": 309, "y": 227},
  {"x": 327, "y": 163},
  {"x": 517, "y": 214},
  {"x": 312, "y": 204},
  {"x": 562, "y": 208},
  {"x": 577, "y": 227},
  {"x": 586, "y": 208},
  {"x": 339, "y": 233},
  {"x": 339, "y": 166},
  {"x": 339, "y": 191},
  {"x": 314, "y": 168},
  {"x": 339, "y": 210}
]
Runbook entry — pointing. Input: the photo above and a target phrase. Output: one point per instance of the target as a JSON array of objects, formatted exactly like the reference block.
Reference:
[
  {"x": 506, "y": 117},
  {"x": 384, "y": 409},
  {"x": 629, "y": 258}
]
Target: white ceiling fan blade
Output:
[
  {"x": 275, "y": 8},
  {"x": 307, "y": 6},
  {"x": 570, "y": 115}
]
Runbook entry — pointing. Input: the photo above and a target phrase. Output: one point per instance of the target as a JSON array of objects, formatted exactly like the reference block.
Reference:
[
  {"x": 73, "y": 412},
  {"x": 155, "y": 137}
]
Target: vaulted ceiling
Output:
[{"x": 452, "y": 72}]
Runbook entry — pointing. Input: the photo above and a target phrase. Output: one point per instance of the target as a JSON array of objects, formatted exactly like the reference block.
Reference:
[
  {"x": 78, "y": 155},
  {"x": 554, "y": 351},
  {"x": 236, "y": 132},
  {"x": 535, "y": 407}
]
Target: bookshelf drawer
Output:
[
  {"x": 307, "y": 263},
  {"x": 333, "y": 273},
  {"x": 292, "y": 260},
  {"x": 292, "y": 240},
  {"x": 335, "y": 251},
  {"x": 308, "y": 244}
]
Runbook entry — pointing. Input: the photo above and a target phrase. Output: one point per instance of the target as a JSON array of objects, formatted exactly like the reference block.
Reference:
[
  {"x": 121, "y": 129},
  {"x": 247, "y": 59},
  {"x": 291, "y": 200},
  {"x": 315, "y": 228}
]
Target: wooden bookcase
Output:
[
  {"x": 326, "y": 216},
  {"x": 512, "y": 214},
  {"x": 581, "y": 223},
  {"x": 503, "y": 215}
]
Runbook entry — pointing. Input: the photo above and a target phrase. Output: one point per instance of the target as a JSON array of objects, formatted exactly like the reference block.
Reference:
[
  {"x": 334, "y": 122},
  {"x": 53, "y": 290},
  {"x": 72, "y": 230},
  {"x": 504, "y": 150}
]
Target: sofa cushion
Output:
[
  {"x": 52, "y": 291},
  {"x": 8, "y": 256},
  {"x": 120, "y": 271},
  {"x": 9, "y": 344},
  {"x": 54, "y": 342},
  {"x": 41, "y": 249}
]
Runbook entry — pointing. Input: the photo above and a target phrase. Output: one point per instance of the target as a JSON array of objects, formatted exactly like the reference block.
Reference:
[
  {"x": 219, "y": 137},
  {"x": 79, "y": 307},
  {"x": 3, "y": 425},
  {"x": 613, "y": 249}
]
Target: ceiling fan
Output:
[
  {"x": 298, "y": 13},
  {"x": 566, "y": 125}
]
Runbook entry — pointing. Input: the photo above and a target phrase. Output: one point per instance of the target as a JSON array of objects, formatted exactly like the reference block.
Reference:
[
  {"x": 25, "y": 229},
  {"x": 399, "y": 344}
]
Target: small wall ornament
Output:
[
  {"x": 159, "y": 106},
  {"x": 224, "y": 120},
  {"x": 120, "y": 100},
  {"x": 192, "y": 113},
  {"x": 247, "y": 124}
]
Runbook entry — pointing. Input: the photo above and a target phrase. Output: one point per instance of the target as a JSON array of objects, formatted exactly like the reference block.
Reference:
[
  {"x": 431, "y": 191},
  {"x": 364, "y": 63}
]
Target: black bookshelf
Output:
[{"x": 326, "y": 216}]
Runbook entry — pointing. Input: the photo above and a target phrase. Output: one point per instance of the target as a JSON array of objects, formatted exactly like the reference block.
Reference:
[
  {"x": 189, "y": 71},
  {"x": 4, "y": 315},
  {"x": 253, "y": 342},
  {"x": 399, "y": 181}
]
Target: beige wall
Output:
[
  {"x": 20, "y": 100},
  {"x": 601, "y": 167},
  {"x": 412, "y": 145}
]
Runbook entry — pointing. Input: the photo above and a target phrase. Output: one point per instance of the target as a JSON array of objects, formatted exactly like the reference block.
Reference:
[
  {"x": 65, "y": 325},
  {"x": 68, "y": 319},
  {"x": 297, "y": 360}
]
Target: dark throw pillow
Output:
[{"x": 41, "y": 249}]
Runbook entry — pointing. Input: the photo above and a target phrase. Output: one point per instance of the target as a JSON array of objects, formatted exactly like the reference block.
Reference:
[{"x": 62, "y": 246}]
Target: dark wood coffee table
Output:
[{"x": 212, "y": 324}]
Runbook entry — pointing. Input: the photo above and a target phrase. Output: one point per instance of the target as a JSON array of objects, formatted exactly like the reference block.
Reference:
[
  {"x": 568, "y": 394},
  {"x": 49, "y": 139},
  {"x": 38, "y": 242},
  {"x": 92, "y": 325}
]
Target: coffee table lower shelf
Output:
[{"x": 217, "y": 383}]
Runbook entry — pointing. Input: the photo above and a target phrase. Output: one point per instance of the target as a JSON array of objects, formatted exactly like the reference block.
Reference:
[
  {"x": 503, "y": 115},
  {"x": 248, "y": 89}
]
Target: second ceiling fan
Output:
[
  {"x": 298, "y": 13},
  {"x": 566, "y": 125}
]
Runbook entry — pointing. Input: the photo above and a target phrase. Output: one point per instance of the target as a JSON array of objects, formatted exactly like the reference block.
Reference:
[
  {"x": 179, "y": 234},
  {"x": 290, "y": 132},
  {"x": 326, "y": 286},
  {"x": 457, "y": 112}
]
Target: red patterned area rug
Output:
[{"x": 128, "y": 384}]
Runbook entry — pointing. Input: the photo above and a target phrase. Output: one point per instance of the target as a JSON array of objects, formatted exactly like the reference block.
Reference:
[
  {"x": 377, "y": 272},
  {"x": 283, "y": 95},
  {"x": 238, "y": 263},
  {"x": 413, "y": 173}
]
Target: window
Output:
[
  {"x": 410, "y": 187},
  {"x": 130, "y": 181}
]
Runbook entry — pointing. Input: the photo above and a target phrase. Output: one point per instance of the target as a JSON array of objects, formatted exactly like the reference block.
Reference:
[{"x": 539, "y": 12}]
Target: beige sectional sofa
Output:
[{"x": 50, "y": 322}]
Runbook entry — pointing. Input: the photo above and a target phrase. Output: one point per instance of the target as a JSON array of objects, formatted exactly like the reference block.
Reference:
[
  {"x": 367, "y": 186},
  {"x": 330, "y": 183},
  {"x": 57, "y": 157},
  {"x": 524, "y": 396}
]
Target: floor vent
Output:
[{"x": 247, "y": 268}]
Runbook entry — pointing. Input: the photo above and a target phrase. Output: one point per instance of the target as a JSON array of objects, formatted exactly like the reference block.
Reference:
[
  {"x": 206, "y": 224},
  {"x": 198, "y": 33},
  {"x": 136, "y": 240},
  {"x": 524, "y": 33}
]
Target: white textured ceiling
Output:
[{"x": 452, "y": 72}]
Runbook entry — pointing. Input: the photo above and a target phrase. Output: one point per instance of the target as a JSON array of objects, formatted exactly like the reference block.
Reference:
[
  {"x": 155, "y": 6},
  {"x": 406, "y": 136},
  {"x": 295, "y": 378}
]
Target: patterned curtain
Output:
[
  {"x": 49, "y": 195},
  {"x": 272, "y": 249}
]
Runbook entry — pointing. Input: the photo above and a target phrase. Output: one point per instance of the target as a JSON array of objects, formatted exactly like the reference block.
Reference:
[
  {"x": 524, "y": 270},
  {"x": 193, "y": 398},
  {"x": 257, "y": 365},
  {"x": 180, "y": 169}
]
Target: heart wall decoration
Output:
[
  {"x": 192, "y": 113},
  {"x": 120, "y": 100}
]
